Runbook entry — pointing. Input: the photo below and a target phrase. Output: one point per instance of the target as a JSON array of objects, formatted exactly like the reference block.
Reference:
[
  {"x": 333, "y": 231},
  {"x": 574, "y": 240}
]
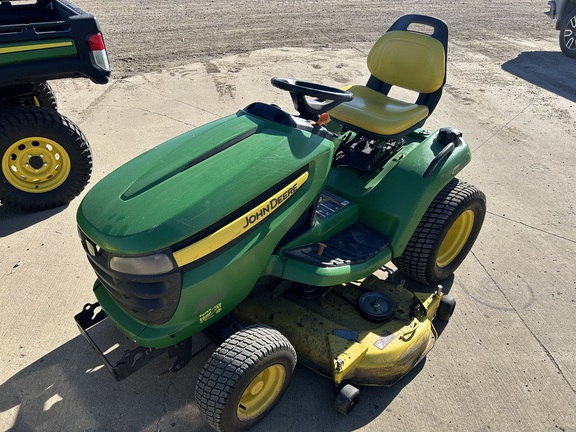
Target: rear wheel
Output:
[
  {"x": 445, "y": 234},
  {"x": 46, "y": 160},
  {"x": 568, "y": 34},
  {"x": 244, "y": 378},
  {"x": 44, "y": 96}
]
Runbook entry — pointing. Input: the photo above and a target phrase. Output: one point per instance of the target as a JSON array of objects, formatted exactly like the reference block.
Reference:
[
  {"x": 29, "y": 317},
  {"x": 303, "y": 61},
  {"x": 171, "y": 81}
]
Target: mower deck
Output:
[{"x": 377, "y": 346}]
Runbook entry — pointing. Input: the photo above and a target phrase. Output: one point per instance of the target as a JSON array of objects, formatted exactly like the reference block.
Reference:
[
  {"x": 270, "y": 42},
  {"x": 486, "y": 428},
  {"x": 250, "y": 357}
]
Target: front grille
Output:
[{"x": 151, "y": 299}]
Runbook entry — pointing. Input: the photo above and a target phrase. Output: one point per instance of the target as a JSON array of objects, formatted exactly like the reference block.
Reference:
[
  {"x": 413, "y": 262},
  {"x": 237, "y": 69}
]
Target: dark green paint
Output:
[
  {"x": 153, "y": 202},
  {"x": 41, "y": 53}
]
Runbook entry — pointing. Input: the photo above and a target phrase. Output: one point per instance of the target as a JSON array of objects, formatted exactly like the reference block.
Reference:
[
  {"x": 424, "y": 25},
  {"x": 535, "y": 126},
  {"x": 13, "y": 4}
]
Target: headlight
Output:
[{"x": 143, "y": 265}]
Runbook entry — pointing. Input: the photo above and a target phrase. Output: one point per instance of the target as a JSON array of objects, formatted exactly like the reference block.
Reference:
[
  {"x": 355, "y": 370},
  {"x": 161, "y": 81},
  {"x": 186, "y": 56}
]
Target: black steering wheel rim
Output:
[
  {"x": 312, "y": 89},
  {"x": 326, "y": 97}
]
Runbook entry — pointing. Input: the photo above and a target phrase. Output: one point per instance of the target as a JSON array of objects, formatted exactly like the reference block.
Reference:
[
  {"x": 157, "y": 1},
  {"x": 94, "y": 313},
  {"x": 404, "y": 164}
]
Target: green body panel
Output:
[
  {"x": 391, "y": 200},
  {"x": 210, "y": 291},
  {"x": 394, "y": 199},
  {"x": 326, "y": 276},
  {"x": 153, "y": 202},
  {"x": 182, "y": 187},
  {"x": 13, "y": 53}
]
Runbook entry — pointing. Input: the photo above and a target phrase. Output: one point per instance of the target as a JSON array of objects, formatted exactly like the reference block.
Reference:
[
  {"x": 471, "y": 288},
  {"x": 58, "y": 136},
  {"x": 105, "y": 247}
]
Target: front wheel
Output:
[
  {"x": 244, "y": 378},
  {"x": 568, "y": 34},
  {"x": 445, "y": 234},
  {"x": 46, "y": 160}
]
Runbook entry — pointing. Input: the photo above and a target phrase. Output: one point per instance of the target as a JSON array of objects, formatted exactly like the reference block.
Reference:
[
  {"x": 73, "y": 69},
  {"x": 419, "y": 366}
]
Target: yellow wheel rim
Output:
[
  {"x": 455, "y": 238},
  {"x": 36, "y": 165},
  {"x": 261, "y": 392},
  {"x": 36, "y": 101}
]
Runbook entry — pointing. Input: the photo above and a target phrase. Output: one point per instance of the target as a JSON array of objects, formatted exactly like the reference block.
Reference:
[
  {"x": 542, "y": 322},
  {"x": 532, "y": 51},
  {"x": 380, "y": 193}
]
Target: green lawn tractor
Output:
[{"x": 265, "y": 230}]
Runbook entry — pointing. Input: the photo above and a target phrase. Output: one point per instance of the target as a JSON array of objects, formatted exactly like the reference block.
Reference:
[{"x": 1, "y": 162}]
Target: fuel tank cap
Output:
[{"x": 375, "y": 306}]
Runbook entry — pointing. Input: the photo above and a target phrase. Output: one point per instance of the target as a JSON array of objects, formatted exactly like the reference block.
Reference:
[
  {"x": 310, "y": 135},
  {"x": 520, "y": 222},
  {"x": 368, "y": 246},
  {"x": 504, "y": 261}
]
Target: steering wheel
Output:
[{"x": 326, "y": 97}]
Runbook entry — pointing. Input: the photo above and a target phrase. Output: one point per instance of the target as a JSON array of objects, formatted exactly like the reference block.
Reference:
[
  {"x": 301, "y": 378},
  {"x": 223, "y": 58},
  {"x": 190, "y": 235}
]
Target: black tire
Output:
[
  {"x": 446, "y": 308},
  {"x": 346, "y": 399},
  {"x": 45, "y": 159},
  {"x": 44, "y": 96},
  {"x": 244, "y": 378},
  {"x": 425, "y": 258},
  {"x": 568, "y": 34}
]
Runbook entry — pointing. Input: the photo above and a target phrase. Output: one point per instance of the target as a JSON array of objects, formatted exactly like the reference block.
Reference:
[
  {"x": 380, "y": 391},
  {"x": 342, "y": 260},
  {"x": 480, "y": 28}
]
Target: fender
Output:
[{"x": 396, "y": 197}]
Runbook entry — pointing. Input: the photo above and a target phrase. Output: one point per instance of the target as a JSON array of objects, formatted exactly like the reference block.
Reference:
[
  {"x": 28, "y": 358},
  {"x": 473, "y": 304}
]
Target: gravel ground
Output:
[{"x": 150, "y": 36}]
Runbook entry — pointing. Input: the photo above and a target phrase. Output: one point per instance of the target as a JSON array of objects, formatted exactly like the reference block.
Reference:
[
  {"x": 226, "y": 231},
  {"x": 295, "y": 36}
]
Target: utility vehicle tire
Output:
[
  {"x": 445, "y": 234},
  {"x": 446, "y": 308},
  {"x": 346, "y": 399},
  {"x": 244, "y": 378},
  {"x": 46, "y": 160},
  {"x": 44, "y": 96},
  {"x": 568, "y": 34}
]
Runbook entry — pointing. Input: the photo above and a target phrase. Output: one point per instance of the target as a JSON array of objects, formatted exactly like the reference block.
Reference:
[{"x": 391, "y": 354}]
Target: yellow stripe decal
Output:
[
  {"x": 239, "y": 226},
  {"x": 22, "y": 48}
]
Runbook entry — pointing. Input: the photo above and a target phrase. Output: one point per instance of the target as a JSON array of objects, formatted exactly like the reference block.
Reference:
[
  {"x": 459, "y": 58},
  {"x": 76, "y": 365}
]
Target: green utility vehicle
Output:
[
  {"x": 264, "y": 230},
  {"x": 46, "y": 160}
]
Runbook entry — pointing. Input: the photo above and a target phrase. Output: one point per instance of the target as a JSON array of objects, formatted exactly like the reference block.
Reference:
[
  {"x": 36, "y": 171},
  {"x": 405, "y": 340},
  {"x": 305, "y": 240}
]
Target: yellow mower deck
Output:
[{"x": 334, "y": 339}]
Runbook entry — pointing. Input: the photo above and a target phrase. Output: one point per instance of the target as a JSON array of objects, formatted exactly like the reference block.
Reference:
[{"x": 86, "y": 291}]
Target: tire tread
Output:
[
  {"x": 228, "y": 364},
  {"x": 414, "y": 261}
]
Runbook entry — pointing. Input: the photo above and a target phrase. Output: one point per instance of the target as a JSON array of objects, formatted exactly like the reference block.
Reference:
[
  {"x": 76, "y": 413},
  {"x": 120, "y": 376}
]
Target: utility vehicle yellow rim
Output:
[
  {"x": 455, "y": 238},
  {"x": 36, "y": 101},
  {"x": 36, "y": 165},
  {"x": 261, "y": 392}
]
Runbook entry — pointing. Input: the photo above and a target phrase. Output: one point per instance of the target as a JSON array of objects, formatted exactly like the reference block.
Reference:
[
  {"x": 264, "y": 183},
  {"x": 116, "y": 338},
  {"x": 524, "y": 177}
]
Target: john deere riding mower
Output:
[{"x": 264, "y": 230}]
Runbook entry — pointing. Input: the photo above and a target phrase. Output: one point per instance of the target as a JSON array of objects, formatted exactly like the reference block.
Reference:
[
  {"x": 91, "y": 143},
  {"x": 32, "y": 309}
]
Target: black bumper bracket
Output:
[{"x": 131, "y": 360}]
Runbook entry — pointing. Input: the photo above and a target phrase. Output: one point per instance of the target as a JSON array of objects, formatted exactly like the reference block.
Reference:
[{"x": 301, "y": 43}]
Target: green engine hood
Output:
[{"x": 190, "y": 182}]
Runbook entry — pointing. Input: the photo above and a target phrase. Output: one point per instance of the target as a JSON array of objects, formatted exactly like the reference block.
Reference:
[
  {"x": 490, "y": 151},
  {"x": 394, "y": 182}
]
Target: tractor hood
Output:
[{"x": 189, "y": 183}]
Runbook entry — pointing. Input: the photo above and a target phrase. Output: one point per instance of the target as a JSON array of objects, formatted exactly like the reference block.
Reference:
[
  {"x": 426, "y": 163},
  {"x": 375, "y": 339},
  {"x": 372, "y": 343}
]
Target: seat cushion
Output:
[{"x": 377, "y": 113}]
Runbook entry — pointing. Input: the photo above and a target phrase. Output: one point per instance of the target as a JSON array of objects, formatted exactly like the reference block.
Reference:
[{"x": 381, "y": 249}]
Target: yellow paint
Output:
[
  {"x": 430, "y": 302},
  {"x": 381, "y": 352},
  {"x": 345, "y": 357},
  {"x": 455, "y": 239},
  {"x": 405, "y": 59},
  {"x": 23, "y": 48},
  {"x": 378, "y": 113},
  {"x": 262, "y": 391},
  {"x": 239, "y": 226},
  {"x": 36, "y": 164},
  {"x": 213, "y": 311}
]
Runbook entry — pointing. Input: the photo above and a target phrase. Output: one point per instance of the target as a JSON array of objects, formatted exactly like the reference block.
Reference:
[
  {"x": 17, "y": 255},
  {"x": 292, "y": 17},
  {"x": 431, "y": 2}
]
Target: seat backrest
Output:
[{"x": 410, "y": 60}]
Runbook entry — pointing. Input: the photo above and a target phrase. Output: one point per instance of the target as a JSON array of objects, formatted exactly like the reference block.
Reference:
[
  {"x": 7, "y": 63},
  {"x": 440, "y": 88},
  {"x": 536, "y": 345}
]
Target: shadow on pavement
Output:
[
  {"x": 68, "y": 389},
  {"x": 552, "y": 71},
  {"x": 14, "y": 220}
]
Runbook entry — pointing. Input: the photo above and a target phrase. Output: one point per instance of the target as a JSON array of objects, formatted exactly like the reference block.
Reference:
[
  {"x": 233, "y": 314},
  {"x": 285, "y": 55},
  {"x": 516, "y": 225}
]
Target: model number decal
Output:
[{"x": 213, "y": 311}]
